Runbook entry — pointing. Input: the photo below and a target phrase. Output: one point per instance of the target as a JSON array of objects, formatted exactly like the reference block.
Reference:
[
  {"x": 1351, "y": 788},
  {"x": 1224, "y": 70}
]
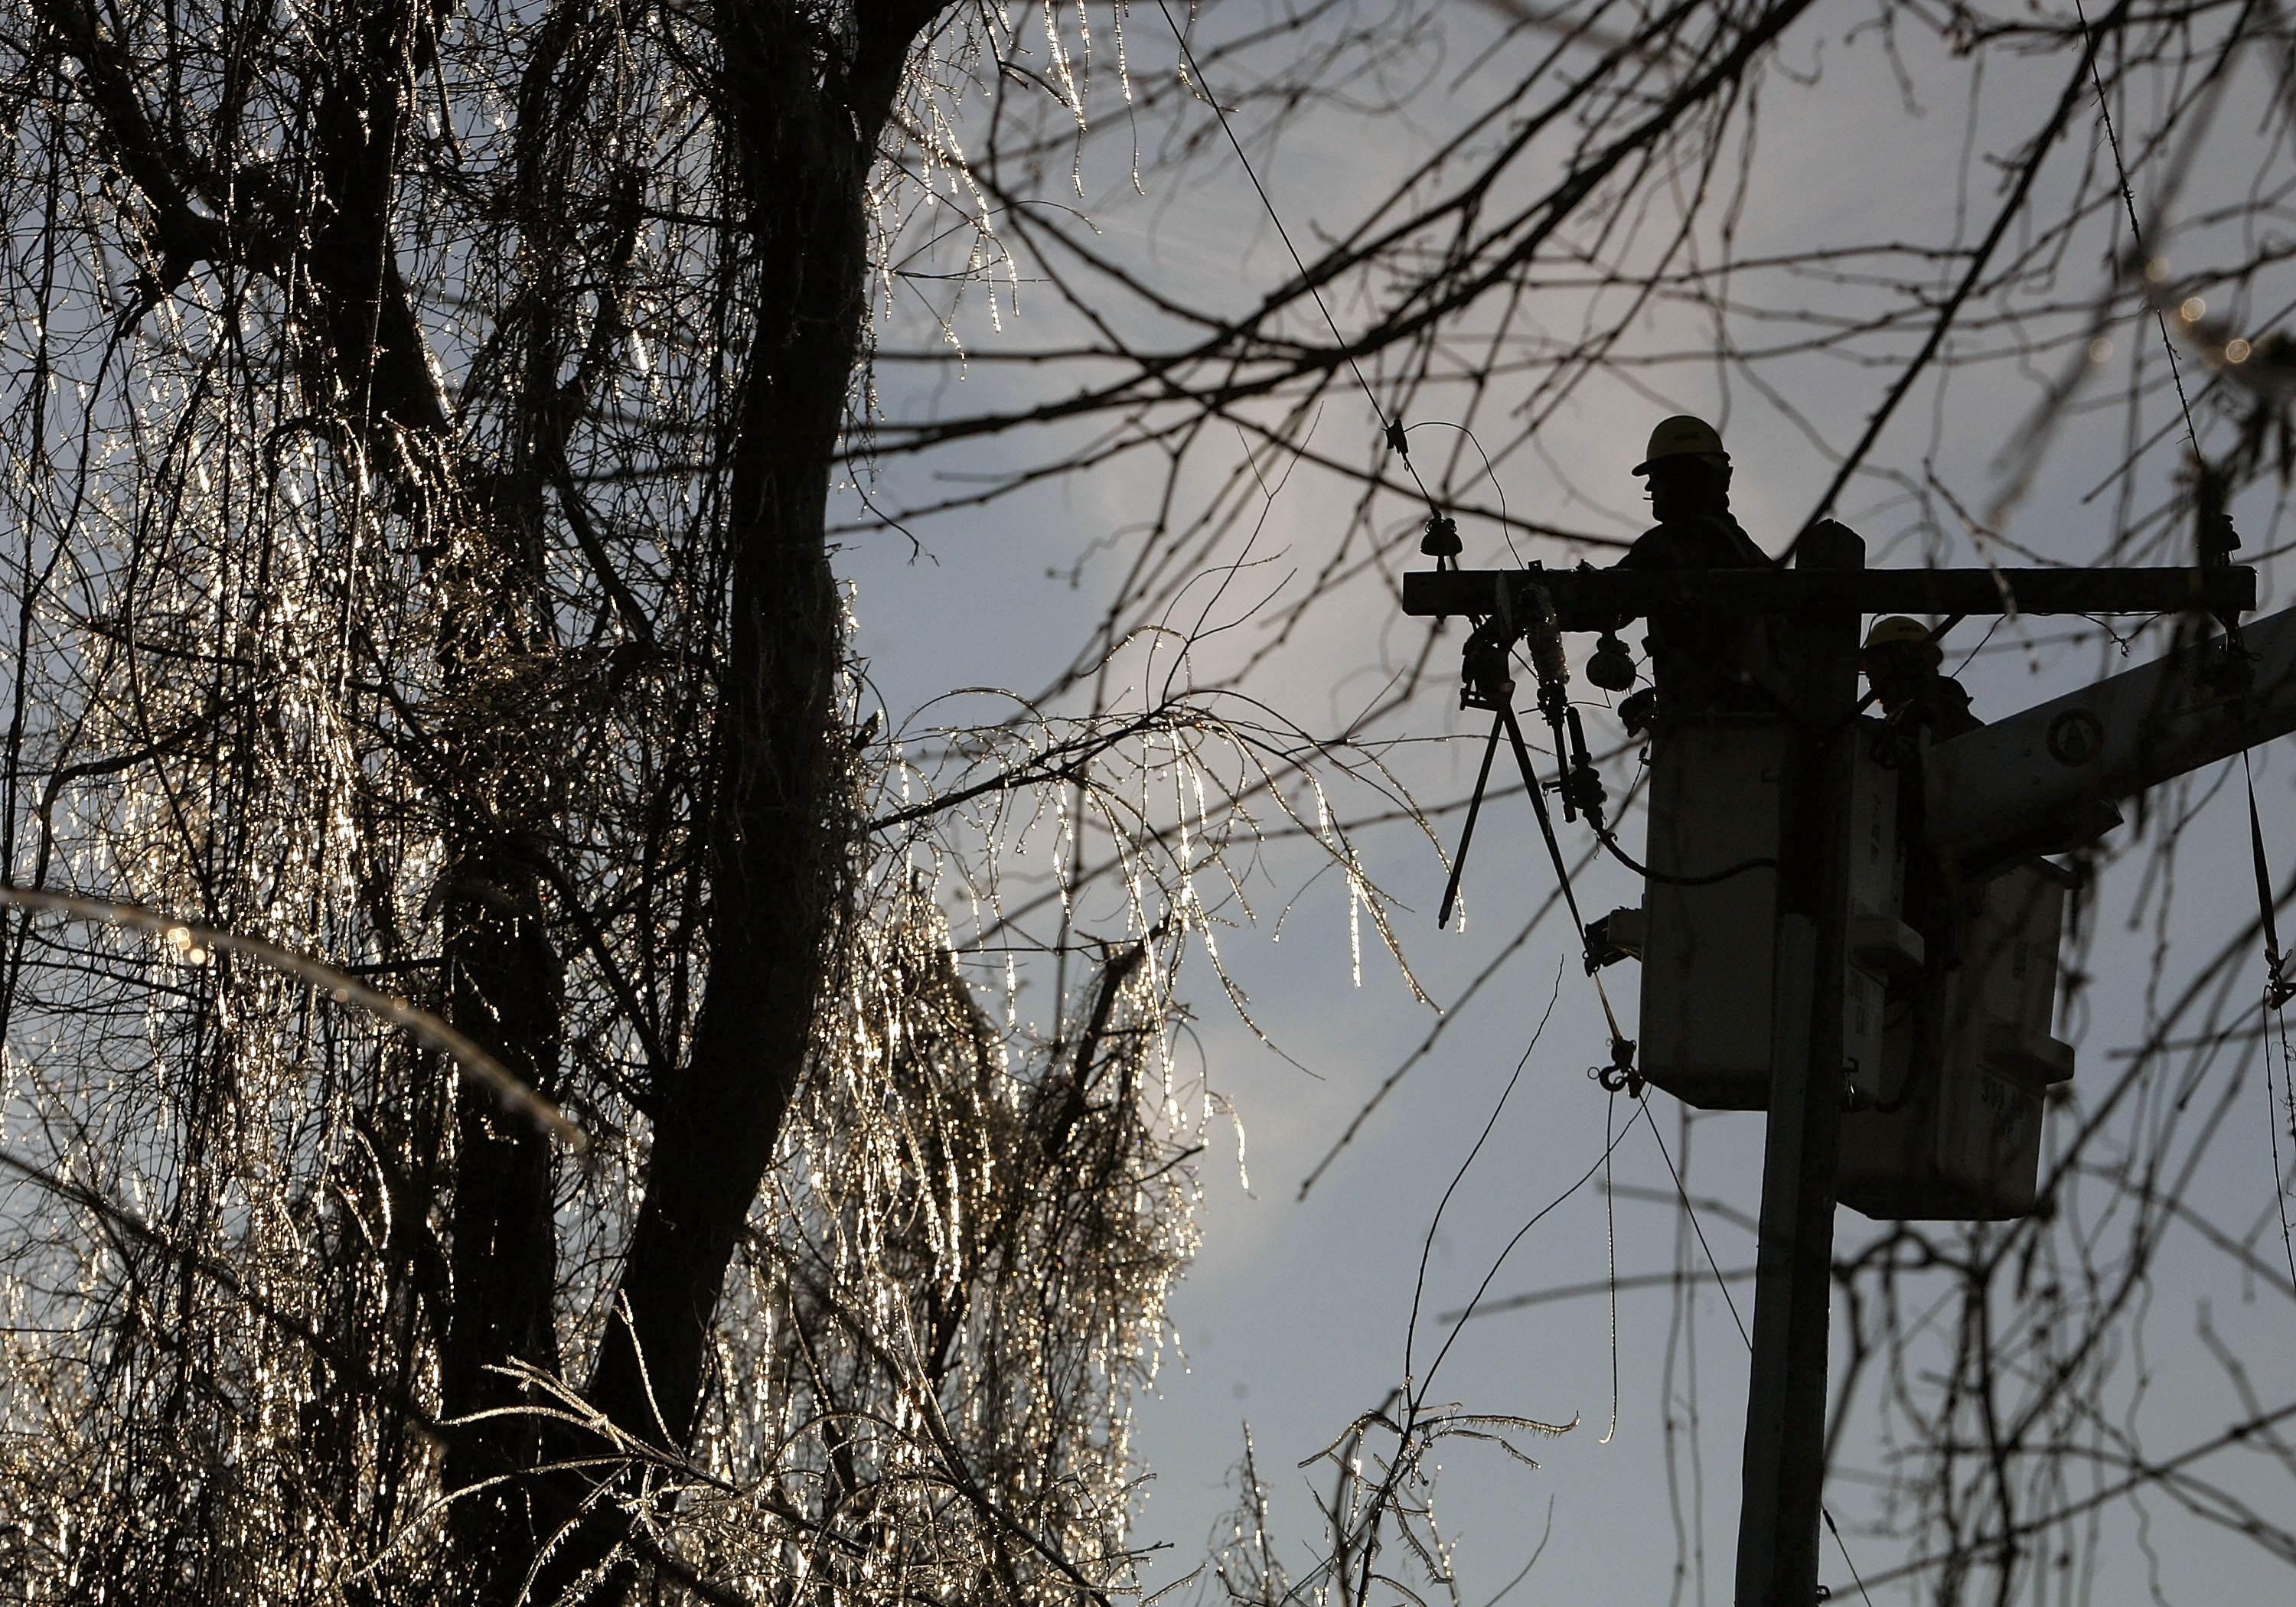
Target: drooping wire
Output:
[
  {"x": 1390, "y": 429},
  {"x": 2277, "y": 991},
  {"x": 1474, "y": 1302},
  {"x": 1435, "y": 1223},
  {"x": 1506, "y": 520},
  {"x": 2273, "y": 1117}
]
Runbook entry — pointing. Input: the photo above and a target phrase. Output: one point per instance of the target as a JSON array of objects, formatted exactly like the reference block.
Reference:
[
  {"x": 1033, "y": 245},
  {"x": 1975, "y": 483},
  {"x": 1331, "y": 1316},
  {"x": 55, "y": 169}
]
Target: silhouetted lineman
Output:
[
  {"x": 1902, "y": 662},
  {"x": 1920, "y": 705},
  {"x": 1700, "y": 660}
]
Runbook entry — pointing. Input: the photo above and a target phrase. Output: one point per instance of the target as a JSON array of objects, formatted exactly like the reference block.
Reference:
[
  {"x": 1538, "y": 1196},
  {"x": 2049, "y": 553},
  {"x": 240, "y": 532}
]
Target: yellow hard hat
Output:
[
  {"x": 1897, "y": 629},
  {"x": 1683, "y": 436}
]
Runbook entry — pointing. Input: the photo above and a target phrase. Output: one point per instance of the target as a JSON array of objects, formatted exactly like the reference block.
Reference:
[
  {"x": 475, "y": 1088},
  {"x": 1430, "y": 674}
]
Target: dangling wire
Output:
[
  {"x": 2273, "y": 1115},
  {"x": 1610, "y": 1243},
  {"x": 2277, "y": 991}
]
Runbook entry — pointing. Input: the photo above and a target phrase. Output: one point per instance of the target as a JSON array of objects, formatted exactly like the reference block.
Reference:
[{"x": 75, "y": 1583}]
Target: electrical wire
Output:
[
  {"x": 1697, "y": 1226},
  {"x": 2272, "y": 1119},
  {"x": 1390, "y": 429},
  {"x": 1506, "y": 520},
  {"x": 2276, "y": 988},
  {"x": 1610, "y": 1245},
  {"x": 1435, "y": 1223},
  {"x": 2276, "y": 994},
  {"x": 1610, "y": 842},
  {"x": 2135, "y": 231}
]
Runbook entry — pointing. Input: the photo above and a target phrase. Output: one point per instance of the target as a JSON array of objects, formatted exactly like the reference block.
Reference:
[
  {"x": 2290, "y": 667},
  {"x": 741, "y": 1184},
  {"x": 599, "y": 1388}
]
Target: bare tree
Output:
[
  {"x": 424, "y": 427},
  {"x": 421, "y": 428}
]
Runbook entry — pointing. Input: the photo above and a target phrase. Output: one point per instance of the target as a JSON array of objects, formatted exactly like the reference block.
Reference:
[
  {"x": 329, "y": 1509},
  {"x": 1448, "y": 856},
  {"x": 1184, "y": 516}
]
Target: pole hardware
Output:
[
  {"x": 1441, "y": 541},
  {"x": 1612, "y": 667},
  {"x": 1523, "y": 614},
  {"x": 1619, "y": 1076},
  {"x": 1487, "y": 681},
  {"x": 1774, "y": 828}
]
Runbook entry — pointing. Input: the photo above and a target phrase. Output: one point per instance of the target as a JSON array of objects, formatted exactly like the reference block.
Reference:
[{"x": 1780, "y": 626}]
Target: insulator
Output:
[
  {"x": 1545, "y": 639},
  {"x": 1612, "y": 667}
]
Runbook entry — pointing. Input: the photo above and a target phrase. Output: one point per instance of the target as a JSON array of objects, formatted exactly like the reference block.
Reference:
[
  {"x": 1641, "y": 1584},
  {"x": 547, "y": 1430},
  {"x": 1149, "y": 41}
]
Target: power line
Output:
[
  {"x": 1390, "y": 429},
  {"x": 2135, "y": 230}
]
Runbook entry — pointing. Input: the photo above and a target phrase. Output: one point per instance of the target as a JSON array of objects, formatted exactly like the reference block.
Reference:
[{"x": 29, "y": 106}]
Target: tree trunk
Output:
[
  {"x": 776, "y": 839},
  {"x": 802, "y": 96},
  {"x": 503, "y": 980}
]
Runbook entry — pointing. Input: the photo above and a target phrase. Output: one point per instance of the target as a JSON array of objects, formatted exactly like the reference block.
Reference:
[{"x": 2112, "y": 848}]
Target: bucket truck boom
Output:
[{"x": 2046, "y": 779}]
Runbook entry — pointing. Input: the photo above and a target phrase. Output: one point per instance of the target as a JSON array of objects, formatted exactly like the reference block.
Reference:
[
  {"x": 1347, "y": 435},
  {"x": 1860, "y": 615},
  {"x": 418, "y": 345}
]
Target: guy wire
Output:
[{"x": 1390, "y": 431}]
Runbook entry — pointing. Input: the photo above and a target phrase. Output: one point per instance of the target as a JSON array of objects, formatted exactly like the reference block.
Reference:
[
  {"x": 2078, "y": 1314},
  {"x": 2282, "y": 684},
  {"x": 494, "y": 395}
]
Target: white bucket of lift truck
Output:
[{"x": 1949, "y": 1127}]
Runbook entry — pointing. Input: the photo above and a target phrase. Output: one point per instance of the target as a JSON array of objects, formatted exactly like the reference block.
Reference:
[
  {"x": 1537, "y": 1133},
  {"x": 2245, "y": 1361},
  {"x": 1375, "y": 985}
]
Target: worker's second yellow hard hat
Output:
[
  {"x": 1683, "y": 436},
  {"x": 1897, "y": 629}
]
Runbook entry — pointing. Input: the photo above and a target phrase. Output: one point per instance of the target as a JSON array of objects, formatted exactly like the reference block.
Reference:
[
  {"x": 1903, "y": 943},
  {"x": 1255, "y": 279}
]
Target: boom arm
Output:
[{"x": 2047, "y": 778}]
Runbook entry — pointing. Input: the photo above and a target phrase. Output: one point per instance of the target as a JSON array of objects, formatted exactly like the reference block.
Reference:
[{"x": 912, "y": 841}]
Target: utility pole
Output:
[
  {"x": 2134, "y": 731},
  {"x": 1785, "y": 1465}
]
